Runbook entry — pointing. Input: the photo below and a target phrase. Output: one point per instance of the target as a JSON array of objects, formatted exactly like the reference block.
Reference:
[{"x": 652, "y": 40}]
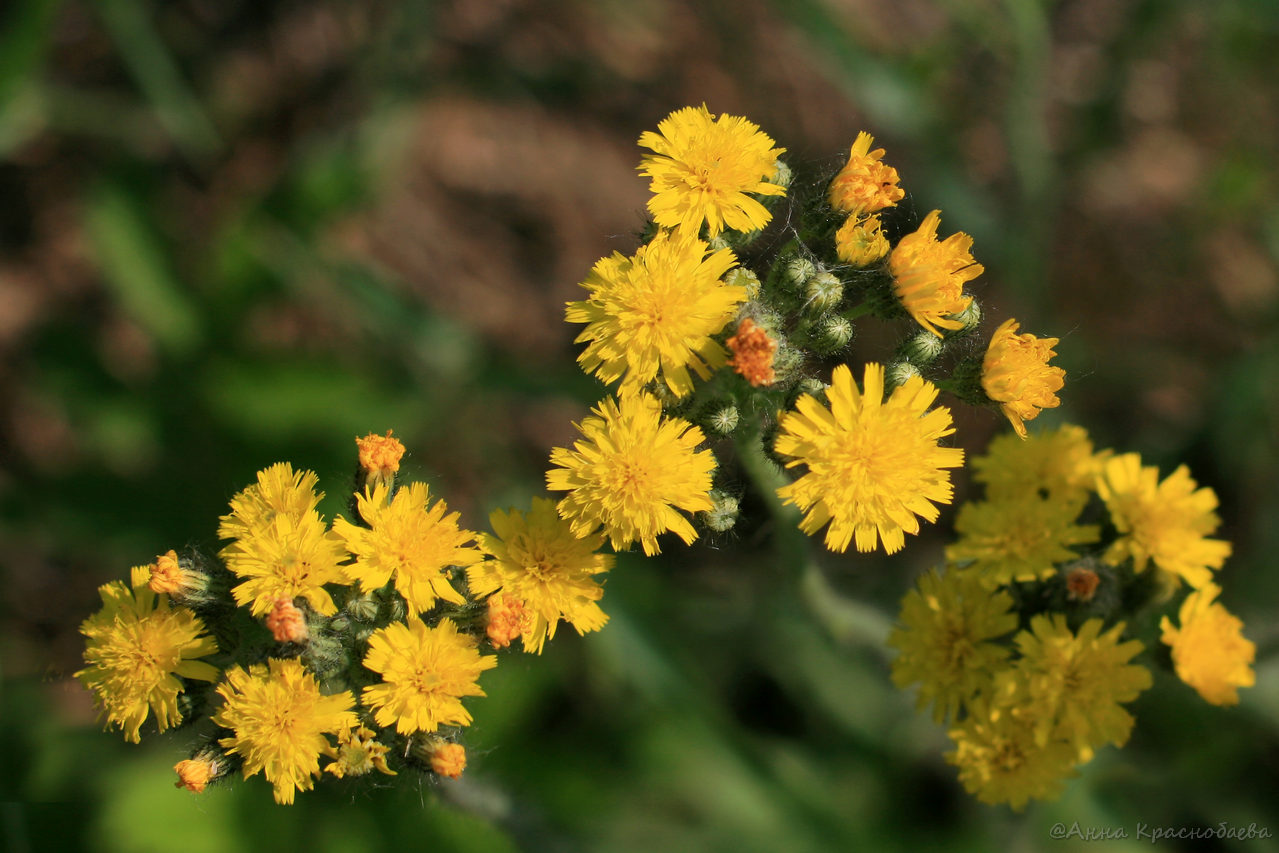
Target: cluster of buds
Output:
[
  {"x": 353, "y": 642},
  {"x": 1025, "y": 644}
]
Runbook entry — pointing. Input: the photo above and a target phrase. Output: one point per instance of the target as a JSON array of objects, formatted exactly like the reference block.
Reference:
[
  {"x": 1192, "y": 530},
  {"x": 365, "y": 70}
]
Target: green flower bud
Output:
[
  {"x": 823, "y": 292},
  {"x": 899, "y": 373},
  {"x": 834, "y": 333},
  {"x": 814, "y": 386},
  {"x": 783, "y": 176},
  {"x": 363, "y": 607},
  {"x": 970, "y": 316},
  {"x": 723, "y": 512},
  {"x": 742, "y": 277},
  {"x": 797, "y": 272},
  {"x": 723, "y": 420},
  {"x": 923, "y": 348}
]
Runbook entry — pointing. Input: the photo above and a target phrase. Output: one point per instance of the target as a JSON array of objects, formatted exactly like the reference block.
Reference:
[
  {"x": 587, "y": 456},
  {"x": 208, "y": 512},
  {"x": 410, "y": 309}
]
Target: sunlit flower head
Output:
[
  {"x": 279, "y": 721},
  {"x": 866, "y": 184},
  {"x": 707, "y": 170},
  {"x": 861, "y": 241},
  {"x": 929, "y": 276},
  {"x": 1069, "y": 686},
  {"x": 425, "y": 673},
  {"x": 753, "y": 352},
  {"x": 1017, "y": 540},
  {"x": 944, "y": 636},
  {"x": 1058, "y": 464},
  {"x": 1000, "y": 760},
  {"x": 408, "y": 540},
  {"x": 357, "y": 753},
  {"x": 137, "y": 650},
  {"x": 873, "y": 465},
  {"x": 279, "y": 491},
  {"x": 1015, "y": 374},
  {"x": 288, "y": 557},
  {"x": 1209, "y": 650},
  {"x": 538, "y": 561},
  {"x": 1164, "y": 522},
  {"x": 654, "y": 313},
  {"x": 632, "y": 473}
]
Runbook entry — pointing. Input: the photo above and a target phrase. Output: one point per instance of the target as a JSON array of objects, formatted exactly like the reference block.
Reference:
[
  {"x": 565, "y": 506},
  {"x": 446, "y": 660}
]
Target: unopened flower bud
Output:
[
  {"x": 899, "y": 373},
  {"x": 834, "y": 333},
  {"x": 719, "y": 241},
  {"x": 970, "y": 316},
  {"x": 813, "y": 386},
  {"x": 286, "y": 622},
  {"x": 923, "y": 348},
  {"x": 197, "y": 772},
  {"x": 363, "y": 608},
  {"x": 723, "y": 420},
  {"x": 379, "y": 460},
  {"x": 177, "y": 578},
  {"x": 797, "y": 272},
  {"x": 742, "y": 277},
  {"x": 753, "y": 351},
  {"x": 723, "y": 512},
  {"x": 445, "y": 757},
  {"x": 823, "y": 292},
  {"x": 783, "y": 176},
  {"x": 1081, "y": 584},
  {"x": 508, "y": 619}
]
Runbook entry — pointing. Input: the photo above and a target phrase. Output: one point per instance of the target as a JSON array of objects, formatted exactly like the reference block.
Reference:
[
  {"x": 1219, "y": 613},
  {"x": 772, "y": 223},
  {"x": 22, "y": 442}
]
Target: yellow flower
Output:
[
  {"x": 1017, "y": 540},
  {"x": 1015, "y": 374},
  {"x": 1165, "y": 522},
  {"x": 357, "y": 753},
  {"x": 286, "y": 557},
  {"x": 1000, "y": 761},
  {"x": 425, "y": 673},
  {"x": 703, "y": 168},
  {"x": 379, "y": 457},
  {"x": 1209, "y": 650},
  {"x": 929, "y": 276},
  {"x": 631, "y": 473},
  {"x": 1068, "y": 686},
  {"x": 539, "y": 561},
  {"x": 865, "y": 184},
  {"x": 136, "y": 649},
  {"x": 943, "y": 636},
  {"x": 279, "y": 720},
  {"x": 409, "y": 540},
  {"x": 654, "y": 313},
  {"x": 873, "y": 465},
  {"x": 1058, "y": 464},
  {"x": 860, "y": 241},
  {"x": 279, "y": 491}
]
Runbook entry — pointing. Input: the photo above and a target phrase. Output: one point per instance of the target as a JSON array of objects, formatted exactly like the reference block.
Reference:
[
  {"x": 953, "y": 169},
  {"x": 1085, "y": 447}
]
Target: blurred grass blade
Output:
[
  {"x": 132, "y": 260},
  {"x": 142, "y": 49},
  {"x": 24, "y": 34}
]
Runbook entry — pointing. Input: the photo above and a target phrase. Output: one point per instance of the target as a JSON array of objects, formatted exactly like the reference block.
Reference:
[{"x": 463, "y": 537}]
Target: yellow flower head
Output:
[
  {"x": 410, "y": 540},
  {"x": 861, "y": 241},
  {"x": 1165, "y": 522},
  {"x": 943, "y": 639},
  {"x": 1018, "y": 540},
  {"x": 703, "y": 168},
  {"x": 137, "y": 647},
  {"x": 425, "y": 673},
  {"x": 1209, "y": 650},
  {"x": 1000, "y": 761},
  {"x": 655, "y": 313},
  {"x": 380, "y": 457},
  {"x": 287, "y": 557},
  {"x": 866, "y": 184},
  {"x": 929, "y": 276},
  {"x": 279, "y": 720},
  {"x": 873, "y": 464},
  {"x": 1059, "y": 464},
  {"x": 1015, "y": 374},
  {"x": 1068, "y": 686},
  {"x": 538, "y": 560},
  {"x": 632, "y": 473},
  {"x": 279, "y": 491},
  {"x": 753, "y": 352},
  {"x": 357, "y": 753}
]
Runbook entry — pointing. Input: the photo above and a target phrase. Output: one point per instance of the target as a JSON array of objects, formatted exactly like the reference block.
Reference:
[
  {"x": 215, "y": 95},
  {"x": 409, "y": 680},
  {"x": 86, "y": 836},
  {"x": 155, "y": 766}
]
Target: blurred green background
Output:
[{"x": 233, "y": 233}]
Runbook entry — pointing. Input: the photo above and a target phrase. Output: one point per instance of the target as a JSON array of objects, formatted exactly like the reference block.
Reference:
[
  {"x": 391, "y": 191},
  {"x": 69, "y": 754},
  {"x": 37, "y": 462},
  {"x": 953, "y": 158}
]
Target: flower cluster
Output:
[
  {"x": 1022, "y": 645},
  {"x": 353, "y": 642},
  {"x": 718, "y": 322}
]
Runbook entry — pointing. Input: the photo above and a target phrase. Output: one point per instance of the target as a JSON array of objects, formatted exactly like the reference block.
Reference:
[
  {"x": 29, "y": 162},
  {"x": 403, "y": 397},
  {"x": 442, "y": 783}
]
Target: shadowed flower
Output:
[
  {"x": 929, "y": 276},
  {"x": 1015, "y": 374},
  {"x": 1209, "y": 650},
  {"x": 1161, "y": 522},
  {"x": 865, "y": 184},
  {"x": 408, "y": 540},
  {"x": 137, "y": 648},
  {"x": 632, "y": 473},
  {"x": 279, "y": 720},
  {"x": 655, "y": 313},
  {"x": 702, "y": 170},
  {"x": 1059, "y": 464},
  {"x": 357, "y": 753},
  {"x": 943, "y": 639},
  {"x": 1017, "y": 540},
  {"x": 540, "y": 563},
  {"x": 1000, "y": 761},
  {"x": 425, "y": 673},
  {"x": 874, "y": 466}
]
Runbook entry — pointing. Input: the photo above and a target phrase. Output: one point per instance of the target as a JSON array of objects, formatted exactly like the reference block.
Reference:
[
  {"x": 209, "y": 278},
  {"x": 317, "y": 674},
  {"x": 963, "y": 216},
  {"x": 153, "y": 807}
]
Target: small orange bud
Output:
[
  {"x": 507, "y": 620},
  {"x": 170, "y": 578},
  {"x": 380, "y": 454},
  {"x": 448, "y": 759},
  {"x": 196, "y": 773},
  {"x": 753, "y": 352},
  {"x": 286, "y": 623},
  {"x": 1081, "y": 584}
]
